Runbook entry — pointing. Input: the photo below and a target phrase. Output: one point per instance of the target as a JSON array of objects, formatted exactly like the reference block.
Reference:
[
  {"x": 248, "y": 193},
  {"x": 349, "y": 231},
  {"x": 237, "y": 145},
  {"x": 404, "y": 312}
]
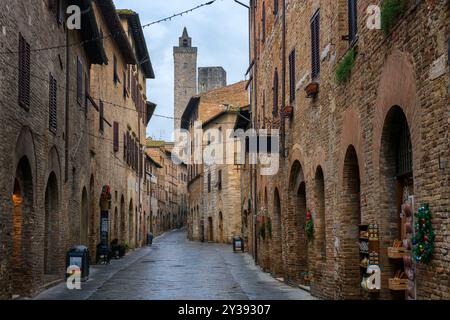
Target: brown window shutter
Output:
[
  {"x": 79, "y": 82},
  {"x": 116, "y": 76},
  {"x": 352, "y": 20},
  {"x": 51, "y": 4},
  {"x": 263, "y": 36},
  {"x": 53, "y": 110},
  {"x": 102, "y": 123},
  {"x": 116, "y": 136},
  {"x": 315, "y": 45},
  {"x": 124, "y": 147},
  {"x": 60, "y": 11},
  {"x": 24, "y": 73},
  {"x": 136, "y": 158},
  {"x": 292, "y": 76}
]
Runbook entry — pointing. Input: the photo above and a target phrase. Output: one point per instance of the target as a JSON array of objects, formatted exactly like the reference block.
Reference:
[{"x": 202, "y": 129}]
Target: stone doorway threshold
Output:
[{"x": 306, "y": 288}]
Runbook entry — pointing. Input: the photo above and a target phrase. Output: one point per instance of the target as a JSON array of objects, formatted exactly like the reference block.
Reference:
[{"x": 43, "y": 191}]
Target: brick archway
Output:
[
  {"x": 351, "y": 136},
  {"x": 277, "y": 248},
  {"x": 349, "y": 219},
  {"x": 397, "y": 99},
  {"x": 297, "y": 265}
]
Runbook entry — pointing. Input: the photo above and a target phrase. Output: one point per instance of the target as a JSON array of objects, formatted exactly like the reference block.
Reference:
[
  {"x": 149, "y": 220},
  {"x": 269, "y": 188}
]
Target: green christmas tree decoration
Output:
[
  {"x": 309, "y": 227},
  {"x": 423, "y": 239}
]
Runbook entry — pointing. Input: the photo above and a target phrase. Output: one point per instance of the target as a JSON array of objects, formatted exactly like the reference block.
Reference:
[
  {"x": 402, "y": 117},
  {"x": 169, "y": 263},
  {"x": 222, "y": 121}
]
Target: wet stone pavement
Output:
[{"x": 177, "y": 269}]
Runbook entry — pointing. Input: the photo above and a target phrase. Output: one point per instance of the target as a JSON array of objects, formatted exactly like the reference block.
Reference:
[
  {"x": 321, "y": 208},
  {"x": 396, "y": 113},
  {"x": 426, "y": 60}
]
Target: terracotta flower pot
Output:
[
  {"x": 289, "y": 111},
  {"x": 312, "y": 89}
]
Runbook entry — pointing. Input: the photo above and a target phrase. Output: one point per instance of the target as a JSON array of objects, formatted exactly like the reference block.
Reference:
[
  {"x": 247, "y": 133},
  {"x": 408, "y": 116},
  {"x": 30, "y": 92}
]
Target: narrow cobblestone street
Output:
[{"x": 174, "y": 268}]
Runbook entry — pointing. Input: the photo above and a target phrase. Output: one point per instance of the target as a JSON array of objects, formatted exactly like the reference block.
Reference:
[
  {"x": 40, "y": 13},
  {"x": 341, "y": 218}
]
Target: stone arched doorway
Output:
[
  {"x": 221, "y": 236},
  {"x": 116, "y": 228},
  {"x": 23, "y": 210},
  {"x": 396, "y": 186},
  {"x": 277, "y": 251},
  {"x": 137, "y": 219},
  {"x": 298, "y": 265},
  {"x": 122, "y": 234},
  {"x": 320, "y": 234},
  {"x": 52, "y": 227},
  {"x": 84, "y": 223},
  {"x": 92, "y": 230},
  {"x": 350, "y": 219},
  {"x": 130, "y": 223}
]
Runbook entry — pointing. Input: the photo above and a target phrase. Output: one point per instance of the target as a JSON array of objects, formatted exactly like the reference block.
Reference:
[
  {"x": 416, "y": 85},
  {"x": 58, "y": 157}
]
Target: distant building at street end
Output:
[{"x": 214, "y": 191}]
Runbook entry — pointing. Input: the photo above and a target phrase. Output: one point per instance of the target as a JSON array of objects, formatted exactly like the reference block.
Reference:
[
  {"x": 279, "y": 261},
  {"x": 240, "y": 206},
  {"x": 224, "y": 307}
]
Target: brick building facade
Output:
[
  {"x": 56, "y": 152},
  {"x": 372, "y": 135}
]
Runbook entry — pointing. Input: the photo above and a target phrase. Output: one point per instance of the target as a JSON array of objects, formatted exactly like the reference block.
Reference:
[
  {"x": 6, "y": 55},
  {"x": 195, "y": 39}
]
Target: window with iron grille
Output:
[
  {"x": 315, "y": 45},
  {"x": 116, "y": 136},
  {"x": 404, "y": 152},
  {"x": 275, "y": 93},
  {"x": 52, "y": 120},
  {"x": 125, "y": 151},
  {"x": 352, "y": 20},
  {"x": 79, "y": 81},
  {"x": 24, "y": 73},
  {"x": 292, "y": 76},
  {"x": 102, "y": 123}
]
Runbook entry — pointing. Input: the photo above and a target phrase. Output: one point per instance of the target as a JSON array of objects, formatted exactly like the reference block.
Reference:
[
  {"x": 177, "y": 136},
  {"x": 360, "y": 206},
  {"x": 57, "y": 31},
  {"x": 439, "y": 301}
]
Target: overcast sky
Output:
[{"x": 220, "y": 32}]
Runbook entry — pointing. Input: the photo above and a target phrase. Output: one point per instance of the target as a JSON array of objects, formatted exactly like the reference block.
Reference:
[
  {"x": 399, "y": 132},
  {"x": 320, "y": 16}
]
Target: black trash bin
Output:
[
  {"x": 79, "y": 256},
  {"x": 149, "y": 239},
  {"x": 238, "y": 244}
]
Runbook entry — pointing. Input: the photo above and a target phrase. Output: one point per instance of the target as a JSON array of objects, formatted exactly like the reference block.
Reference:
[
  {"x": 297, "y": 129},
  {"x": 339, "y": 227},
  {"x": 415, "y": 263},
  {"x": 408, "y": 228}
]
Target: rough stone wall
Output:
[
  {"x": 210, "y": 78},
  {"x": 200, "y": 203},
  {"x": 185, "y": 85},
  {"x": 407, "y": 68},
  {"x": 222, "y": 205}
]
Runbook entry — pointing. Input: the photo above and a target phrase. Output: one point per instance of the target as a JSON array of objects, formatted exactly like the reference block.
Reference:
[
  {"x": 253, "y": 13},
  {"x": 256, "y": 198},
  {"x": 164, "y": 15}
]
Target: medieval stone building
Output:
[
  {"x": 213, "y": 189},
  {"x": 73, "y": 121},
  {"x": 44, "y": 142},
  {"x": 171, "y": 187},
  {"x": 363, "y": 119}
]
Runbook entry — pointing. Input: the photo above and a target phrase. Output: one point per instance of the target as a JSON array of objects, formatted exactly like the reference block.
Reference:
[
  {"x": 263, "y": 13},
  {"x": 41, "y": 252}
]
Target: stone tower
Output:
[
  {"x": 210, "y": 78},
  {"x": 185, "y": 62}
]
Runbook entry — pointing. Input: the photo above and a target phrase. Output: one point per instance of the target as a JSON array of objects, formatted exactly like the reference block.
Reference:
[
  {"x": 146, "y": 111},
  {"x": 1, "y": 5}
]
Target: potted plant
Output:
[
  {"x": 312, "y": 89},
  {"x": 288, "y": 111}
]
